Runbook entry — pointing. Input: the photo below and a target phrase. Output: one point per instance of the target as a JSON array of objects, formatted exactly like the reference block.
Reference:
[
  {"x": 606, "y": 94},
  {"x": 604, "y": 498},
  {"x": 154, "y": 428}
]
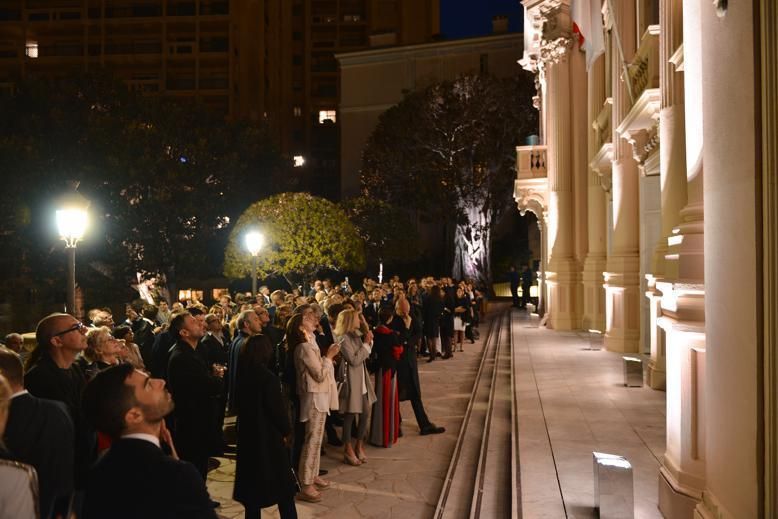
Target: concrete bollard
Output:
[{"x": 613, "y": 490}]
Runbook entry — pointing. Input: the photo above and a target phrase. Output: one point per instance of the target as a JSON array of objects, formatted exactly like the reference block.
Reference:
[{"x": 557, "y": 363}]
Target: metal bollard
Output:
[
  {"x": 633, "y": 371},
  {"x": 613, "y": 491}
]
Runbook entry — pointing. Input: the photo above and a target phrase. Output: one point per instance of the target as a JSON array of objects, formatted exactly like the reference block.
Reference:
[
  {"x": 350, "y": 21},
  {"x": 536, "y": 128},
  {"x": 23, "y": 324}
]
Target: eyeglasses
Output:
[{"x": 78, "y": 326}]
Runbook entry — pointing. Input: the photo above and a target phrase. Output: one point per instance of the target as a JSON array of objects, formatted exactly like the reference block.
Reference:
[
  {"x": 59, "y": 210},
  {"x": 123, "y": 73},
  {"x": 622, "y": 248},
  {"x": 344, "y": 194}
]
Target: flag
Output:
[{"x": 587, "y": 26}]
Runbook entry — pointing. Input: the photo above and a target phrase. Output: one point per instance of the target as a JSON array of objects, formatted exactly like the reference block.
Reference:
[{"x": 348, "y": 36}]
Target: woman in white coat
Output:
[
  {"x": 318, "y": 394},
  {"x": 356, "y": 396}
]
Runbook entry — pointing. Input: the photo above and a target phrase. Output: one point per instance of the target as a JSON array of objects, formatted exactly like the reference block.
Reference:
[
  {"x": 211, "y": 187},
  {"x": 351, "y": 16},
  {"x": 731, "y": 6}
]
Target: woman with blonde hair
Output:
[
  {"x": 102, "y": 351},
  {"x": 356, "y": 396},
  {"x": 317, "y": 394},
  {"x": 19, "y": 491}
]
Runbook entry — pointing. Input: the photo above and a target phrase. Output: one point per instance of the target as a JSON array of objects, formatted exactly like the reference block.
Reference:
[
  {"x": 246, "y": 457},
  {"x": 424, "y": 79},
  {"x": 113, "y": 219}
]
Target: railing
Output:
[
  {"x": 644, "y": 69},
  {"x": 602, "y": 123},
  {"x": 531, "y": 162}
]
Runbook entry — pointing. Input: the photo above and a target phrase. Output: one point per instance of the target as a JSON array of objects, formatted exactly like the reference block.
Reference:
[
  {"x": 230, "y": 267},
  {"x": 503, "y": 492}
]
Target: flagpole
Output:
[{"x": 621, "y": 53}]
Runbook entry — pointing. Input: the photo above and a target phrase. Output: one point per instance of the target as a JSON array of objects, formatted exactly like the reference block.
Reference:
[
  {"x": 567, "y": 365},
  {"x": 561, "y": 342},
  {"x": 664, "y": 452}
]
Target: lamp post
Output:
[
  {"x": 254, "y": 242},
  {"x": 72, "y": 219}
]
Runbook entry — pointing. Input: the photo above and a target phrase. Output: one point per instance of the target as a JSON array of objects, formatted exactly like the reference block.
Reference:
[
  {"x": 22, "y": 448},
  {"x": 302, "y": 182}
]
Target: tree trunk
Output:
[{"x": 472, "y": 242}]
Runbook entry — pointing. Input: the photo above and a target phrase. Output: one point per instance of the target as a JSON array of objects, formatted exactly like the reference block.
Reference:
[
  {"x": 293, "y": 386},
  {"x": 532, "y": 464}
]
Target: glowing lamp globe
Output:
[{"x": 254, "y": 242}]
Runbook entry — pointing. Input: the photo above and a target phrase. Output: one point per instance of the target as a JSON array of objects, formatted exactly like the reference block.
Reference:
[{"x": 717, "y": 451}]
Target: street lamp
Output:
[
  {"x": 72, "y": 219},
  {"x": 254, "y": 242}
]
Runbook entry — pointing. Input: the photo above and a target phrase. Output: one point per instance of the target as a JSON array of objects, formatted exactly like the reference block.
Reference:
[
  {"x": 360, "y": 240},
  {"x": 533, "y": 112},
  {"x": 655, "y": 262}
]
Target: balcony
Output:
[
  {"x": 644, "y": 69},
  {"x": 640, "y": 126},
  {"x": 530, "y": 162}
]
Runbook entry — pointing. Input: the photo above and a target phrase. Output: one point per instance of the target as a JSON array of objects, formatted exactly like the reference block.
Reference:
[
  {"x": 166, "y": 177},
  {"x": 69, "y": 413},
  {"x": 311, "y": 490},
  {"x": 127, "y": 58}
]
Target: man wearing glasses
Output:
[{"x": 53, "y": 373}]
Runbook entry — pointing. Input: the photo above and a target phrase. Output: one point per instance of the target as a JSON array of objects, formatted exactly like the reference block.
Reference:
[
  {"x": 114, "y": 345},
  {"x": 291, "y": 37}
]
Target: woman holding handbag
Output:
[
  {"x": 356, "y": 395},
  {"x": 317, "y": 393}
]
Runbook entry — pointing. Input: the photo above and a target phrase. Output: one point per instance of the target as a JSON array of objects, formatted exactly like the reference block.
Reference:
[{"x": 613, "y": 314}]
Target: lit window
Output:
[
  {"x": 326, "y": 115},
  {"x": 298, "y": 111},
  {"x": 32, "y": 49},
  {"x": 299, "y": 161}
]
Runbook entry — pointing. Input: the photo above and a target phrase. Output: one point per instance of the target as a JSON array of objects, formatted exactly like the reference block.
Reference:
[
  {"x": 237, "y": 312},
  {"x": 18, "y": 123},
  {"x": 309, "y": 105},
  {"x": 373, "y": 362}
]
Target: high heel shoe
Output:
[
  {"x": 351, "y": 460},
  {"x": 362, "y": 458}
]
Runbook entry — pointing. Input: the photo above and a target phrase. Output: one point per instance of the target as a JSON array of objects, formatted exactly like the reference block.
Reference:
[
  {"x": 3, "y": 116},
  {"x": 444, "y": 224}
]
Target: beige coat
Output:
[
  {"x": 315, "y": 380},
  {"x": 359, "y": 387}
]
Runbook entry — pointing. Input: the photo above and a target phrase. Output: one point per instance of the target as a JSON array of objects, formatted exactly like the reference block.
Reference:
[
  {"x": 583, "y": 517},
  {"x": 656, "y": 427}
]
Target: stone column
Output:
[
  {"x": 672, "y": 172},
  {"x": 561, "y": 275},
  {"x": 594, "y": 294},
  {"x": 622, "y": 276},
  {"x": 682, "y": 478}
]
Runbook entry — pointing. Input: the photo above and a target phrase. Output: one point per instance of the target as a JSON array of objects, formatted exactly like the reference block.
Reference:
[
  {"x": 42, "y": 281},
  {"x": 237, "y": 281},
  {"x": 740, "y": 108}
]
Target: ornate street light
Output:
[
  {"x": 72, "y": 220},
  {"x": 254, "y": 242}
]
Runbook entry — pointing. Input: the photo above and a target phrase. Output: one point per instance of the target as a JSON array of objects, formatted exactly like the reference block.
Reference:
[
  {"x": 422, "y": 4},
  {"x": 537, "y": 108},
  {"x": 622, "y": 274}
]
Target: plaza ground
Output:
[{"x": 571, "y": 401}]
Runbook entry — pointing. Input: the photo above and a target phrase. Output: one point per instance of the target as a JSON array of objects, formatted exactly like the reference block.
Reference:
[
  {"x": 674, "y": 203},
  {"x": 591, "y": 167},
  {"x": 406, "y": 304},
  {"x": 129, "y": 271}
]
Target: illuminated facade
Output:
[{"x": 655, "y": 183}]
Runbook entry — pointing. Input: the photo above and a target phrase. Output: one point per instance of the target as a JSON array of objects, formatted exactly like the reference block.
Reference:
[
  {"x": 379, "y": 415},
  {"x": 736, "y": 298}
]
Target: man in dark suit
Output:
[
  {"x": 128, "y": 406},
  {"x": 194, "y": 387},
  {"x": 53, "y": 373},
  {"x": 372, "y": 308},
  {"x": 40, "y": 433}
]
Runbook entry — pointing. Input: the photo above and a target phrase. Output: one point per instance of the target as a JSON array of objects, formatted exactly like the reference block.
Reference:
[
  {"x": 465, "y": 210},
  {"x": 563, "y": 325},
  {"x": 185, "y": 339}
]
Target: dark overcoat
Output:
[{"x": 263, "y": 472}]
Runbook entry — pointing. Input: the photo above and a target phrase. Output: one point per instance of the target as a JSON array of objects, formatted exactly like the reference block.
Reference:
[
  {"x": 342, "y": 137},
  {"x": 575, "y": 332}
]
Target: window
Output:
[
  {"x": 32, "y": 49},
  {"x": 298, "y": 112},
  {"x": 299, "y": 161},
  {"x": 326, "y": 116}
]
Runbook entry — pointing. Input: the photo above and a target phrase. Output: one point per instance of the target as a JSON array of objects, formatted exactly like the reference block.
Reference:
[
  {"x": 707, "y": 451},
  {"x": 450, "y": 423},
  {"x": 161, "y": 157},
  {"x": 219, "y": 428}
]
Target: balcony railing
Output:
[
  {"x": 531, "y": 162},
  {"x": 644, "y": 69}
]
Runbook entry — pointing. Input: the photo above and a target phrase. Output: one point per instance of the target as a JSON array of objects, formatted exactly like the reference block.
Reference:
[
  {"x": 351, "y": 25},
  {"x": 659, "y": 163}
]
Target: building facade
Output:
[
  {"x": 267, "y": 60},
  {"x": 374, "y": 80},
  {"x": 655, "y": 184}
]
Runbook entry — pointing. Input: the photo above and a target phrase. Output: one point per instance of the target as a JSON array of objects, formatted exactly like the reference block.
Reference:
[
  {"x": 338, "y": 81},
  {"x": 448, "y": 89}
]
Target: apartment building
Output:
[{"x": 263, "y": 59}]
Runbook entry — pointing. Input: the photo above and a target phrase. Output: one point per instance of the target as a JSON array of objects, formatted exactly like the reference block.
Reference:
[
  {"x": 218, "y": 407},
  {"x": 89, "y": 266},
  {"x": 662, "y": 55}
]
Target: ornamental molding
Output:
[
  {"x": 556, "y": 50},
  {"x": 531, "y": 195}
]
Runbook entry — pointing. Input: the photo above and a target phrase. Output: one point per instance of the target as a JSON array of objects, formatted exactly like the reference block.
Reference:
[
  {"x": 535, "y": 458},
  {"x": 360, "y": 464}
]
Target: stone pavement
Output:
[
  {"x": 403, "y": 481},
  {"x": 571, "y": 401}
]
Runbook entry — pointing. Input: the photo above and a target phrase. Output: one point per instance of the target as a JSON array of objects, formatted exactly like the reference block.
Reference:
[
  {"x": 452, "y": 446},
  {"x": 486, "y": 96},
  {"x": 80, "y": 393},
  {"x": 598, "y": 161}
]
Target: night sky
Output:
[{"x": 468, "y": 18}]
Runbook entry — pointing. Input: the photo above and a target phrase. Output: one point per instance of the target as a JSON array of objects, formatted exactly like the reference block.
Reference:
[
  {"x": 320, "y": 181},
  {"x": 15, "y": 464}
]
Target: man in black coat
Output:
[
  {"x": 409, "y": 333},
  {"x": 40, "y": 433},
  {"x": 194, "y": 388},
  {"x": 373, "y": 307},
  {"x": 53, "y": 374},
  {"x": 136, "y": 479}
]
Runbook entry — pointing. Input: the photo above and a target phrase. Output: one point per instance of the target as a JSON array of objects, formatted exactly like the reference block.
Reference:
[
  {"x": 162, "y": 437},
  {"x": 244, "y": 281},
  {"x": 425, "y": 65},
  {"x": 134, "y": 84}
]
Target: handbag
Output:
[{"x": 342, "y": 379}]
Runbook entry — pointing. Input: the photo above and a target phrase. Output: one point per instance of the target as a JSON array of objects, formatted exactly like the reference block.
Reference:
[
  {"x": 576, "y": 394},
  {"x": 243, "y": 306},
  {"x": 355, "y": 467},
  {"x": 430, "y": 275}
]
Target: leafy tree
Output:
[
  {"x": 165, "y": 179},
  {"x": 303, "y": 234},
  {"x": 448, "y": 152},
  {"x": 387, "y": 230}
]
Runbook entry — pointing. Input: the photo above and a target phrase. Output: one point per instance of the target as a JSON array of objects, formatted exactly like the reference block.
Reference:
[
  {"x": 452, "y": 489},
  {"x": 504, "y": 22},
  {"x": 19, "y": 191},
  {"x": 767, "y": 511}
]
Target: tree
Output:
[
  {"x": 303, "y": 234},
  {"x": 387, "y": 230},
  {"x": 165, "y": 179},
  {"x": 448, "y": 152}
]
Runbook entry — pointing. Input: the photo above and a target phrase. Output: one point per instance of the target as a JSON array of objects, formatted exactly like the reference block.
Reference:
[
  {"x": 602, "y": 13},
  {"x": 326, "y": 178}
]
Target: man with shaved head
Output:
[{"x": 53, "y": 373}]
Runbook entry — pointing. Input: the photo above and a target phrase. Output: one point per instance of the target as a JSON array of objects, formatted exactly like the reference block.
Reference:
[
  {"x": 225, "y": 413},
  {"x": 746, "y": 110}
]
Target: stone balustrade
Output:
[{"x": 531, "y": 162}]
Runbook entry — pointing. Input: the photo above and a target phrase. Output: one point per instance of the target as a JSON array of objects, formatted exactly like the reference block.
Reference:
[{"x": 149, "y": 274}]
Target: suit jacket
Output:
[
  {"x": 136, "y": 480},
  {"x": 35, "y": 434},
  {"x": 193, "y": 389},
  {"x": 371, "y": 314}
]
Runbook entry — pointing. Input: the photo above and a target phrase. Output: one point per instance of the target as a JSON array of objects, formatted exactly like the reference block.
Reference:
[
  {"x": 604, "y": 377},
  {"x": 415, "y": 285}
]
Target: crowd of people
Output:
[{"x": 98, "y": 412}]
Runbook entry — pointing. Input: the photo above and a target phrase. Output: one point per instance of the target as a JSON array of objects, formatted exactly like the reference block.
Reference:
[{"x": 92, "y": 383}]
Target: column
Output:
[
  {"x": 562, "y": 272},
  {"x": 622, "y": 276},
  {"x": 682, "y": 474},
  {"x": 733, "y": 453},
  {"x": 594, "y": 294},
  {"x": 672, "y": 173}
]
